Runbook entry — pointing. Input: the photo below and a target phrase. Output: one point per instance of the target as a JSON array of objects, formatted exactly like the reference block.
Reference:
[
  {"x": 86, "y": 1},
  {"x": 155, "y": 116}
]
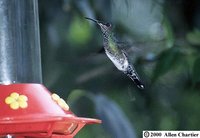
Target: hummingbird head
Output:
[{"x": 105, "y": 27}]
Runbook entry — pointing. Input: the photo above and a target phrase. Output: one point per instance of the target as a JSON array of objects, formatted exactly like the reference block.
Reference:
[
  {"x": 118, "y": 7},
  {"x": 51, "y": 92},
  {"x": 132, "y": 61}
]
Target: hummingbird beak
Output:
[
  {"x": 102, "y": 25},
  {"x": 96, "y": 21}
]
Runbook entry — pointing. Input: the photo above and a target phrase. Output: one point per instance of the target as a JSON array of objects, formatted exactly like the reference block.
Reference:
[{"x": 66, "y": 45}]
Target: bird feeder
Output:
[{"x": 28, "y": 109}]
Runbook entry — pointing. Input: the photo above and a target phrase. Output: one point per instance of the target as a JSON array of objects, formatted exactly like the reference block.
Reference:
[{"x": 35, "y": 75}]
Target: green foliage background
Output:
[{"x": 163, "y": 41}]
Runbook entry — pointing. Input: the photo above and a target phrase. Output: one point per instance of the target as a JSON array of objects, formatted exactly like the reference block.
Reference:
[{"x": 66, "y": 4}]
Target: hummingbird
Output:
[{"x": 117, "y": 55}]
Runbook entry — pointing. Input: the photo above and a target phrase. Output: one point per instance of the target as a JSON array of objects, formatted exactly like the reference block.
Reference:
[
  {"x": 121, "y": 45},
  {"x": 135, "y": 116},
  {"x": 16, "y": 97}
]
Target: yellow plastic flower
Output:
[
  {"x": 16, "y": 101},
  {"x": 60, "y": 101}
]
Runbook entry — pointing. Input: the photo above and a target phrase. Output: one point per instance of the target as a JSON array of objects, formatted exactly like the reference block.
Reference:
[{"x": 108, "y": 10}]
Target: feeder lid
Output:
[{"x": 31, "y": 110}]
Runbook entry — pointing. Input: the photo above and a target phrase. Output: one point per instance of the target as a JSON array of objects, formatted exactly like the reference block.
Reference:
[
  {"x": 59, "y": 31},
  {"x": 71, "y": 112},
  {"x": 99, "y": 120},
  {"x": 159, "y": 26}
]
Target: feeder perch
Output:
[{"x": 28, "y": 109}]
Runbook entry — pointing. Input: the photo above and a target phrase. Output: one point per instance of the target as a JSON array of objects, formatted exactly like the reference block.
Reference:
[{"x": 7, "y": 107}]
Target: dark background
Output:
[{"x": 162, "y": 38}]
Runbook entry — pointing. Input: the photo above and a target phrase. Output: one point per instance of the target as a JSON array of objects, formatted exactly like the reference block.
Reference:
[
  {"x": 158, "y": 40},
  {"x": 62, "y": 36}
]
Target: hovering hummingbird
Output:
[{"x": 115, "y": 54}]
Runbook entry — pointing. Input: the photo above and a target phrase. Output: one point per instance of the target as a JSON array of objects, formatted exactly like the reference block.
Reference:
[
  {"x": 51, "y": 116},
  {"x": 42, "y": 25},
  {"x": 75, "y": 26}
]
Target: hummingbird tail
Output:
[
  {"x": 133, "y": 75},
  {"x": 138, "y": 83}
]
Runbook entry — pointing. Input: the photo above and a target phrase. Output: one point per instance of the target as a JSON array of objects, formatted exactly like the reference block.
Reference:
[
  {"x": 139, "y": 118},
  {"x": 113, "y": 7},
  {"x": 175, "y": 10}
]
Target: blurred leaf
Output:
[
  {"x": 75, "y": 95},
  {"x": 114, "y": 119},
  {"x": 142, "y": 26},
  {"x": 189, "y": 101},
  {"x": 168, "y": 122},
  {"x": 194, "y": 37},
  {"x": 79, "y": 32},
  {"x": 168, "y": 33},
  {"x": 85, "y": 8},
  {"x": 196, "y": 71},
  {"x": 166, "y": 62}
]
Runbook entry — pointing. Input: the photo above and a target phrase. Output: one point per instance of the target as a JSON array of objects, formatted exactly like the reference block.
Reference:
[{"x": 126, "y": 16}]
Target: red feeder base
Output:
[{"x": 30, "y": 110}]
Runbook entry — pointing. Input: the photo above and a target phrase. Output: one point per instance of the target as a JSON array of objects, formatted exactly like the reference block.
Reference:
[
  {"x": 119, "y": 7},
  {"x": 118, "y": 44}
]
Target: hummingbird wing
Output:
[{"x": 102, "y": 50}]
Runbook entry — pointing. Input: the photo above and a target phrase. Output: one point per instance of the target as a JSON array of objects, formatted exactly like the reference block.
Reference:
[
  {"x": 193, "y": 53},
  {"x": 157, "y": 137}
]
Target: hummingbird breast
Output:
[
  {"x": 118, "y": 59},
  {"x": 116, "y": 55}
]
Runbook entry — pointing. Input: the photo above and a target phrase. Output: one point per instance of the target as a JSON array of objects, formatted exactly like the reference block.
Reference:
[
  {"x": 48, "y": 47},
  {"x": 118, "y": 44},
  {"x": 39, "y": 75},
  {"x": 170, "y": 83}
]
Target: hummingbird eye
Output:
[{"x": 108, "y": 24}]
